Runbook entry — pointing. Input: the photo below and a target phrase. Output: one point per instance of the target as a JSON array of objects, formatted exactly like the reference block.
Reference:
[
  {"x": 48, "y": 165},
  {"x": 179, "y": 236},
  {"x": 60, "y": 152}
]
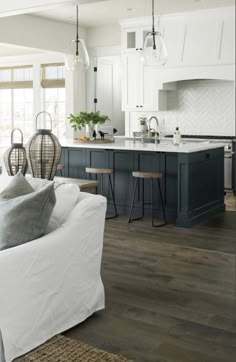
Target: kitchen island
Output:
[{"x": 192, "y": 182}]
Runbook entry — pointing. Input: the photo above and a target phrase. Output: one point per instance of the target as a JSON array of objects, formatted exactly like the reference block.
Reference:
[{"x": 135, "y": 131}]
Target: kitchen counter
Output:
[
  {"x": 192, "y": 175},
  {"x": 164, "y": 146}
]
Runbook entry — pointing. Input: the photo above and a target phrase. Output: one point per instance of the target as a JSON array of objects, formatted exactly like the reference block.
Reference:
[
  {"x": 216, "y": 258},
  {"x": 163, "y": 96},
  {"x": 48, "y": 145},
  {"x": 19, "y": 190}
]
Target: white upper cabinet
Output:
[
  {"x": 193, "y": 39},
  {"x": 131, "y": 81},
  {"x": 200, "y": 45},
  {"x": 140, "y": 87},
  {"x": 133, "y": 38}
]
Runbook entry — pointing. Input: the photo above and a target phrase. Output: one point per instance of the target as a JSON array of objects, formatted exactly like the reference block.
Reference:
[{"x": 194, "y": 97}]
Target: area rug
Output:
[{"x": 62, "y": 349}]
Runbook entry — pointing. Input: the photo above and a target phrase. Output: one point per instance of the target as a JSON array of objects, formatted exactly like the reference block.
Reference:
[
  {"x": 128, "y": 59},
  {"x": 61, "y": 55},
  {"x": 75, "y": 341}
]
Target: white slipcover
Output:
[{"x": 53, "y": 283}]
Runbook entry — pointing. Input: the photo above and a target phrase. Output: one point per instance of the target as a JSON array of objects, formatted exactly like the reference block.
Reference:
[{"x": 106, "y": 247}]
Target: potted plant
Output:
[
  {"x": 87, "y": 120},
  {"x": 142, "y": 124}
]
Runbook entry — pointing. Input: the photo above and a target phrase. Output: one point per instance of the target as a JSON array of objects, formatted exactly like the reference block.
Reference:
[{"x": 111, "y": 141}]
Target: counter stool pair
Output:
[{"x": 138, "y": 175}]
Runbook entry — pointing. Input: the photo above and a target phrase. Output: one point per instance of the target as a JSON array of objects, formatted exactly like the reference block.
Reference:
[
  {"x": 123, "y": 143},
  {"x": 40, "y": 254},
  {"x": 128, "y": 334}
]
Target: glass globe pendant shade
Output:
[
  {"x": 154, "y": 50},
  {"x": 77, "y": 57}
]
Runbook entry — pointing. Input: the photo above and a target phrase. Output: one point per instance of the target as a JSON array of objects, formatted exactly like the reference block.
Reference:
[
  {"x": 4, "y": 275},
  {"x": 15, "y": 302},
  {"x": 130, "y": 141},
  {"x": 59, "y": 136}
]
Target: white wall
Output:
[
  {"x": 38, "y": 33},
  {"x": 104, "y": 36},
  {"x": 54, "y": 39},
  {"x": 105, "y": 85},
  {"x": 104, "y": 44}
]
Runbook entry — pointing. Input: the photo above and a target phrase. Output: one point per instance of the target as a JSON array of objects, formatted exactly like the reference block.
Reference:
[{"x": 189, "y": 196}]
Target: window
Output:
[
  {"x": 53, "y": 96},
  {"x": 16, "y": 104}
]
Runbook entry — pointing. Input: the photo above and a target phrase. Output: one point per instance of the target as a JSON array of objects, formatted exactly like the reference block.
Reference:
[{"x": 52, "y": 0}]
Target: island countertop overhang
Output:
[{"x": 163, "y": 146}]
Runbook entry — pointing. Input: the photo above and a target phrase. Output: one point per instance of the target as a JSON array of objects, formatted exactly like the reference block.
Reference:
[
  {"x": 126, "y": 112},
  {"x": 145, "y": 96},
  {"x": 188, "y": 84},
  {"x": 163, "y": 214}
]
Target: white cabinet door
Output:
[
  {"x": 131, "y": 40},
  {"x": 131, "y": 81},
  {"x": 151, "y": 98},
  {"x": 141, "y": 86}
]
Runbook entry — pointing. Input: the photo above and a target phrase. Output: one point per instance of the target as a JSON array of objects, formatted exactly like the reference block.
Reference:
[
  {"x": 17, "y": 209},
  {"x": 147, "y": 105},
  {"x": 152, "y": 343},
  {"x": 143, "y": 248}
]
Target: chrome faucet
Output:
[{"x": 149, "y": 124}]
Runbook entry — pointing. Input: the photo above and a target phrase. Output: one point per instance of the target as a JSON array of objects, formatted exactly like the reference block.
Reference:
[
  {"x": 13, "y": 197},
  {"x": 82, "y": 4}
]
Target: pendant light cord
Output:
[
  {"x": 77, "y": 30},
  {"x": 153, "y": 16},
  {"x": 153, "y": 25}
]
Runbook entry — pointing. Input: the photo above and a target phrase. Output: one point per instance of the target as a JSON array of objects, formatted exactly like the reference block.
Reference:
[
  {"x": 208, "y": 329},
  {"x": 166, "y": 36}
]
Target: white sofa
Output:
[{"x": 53, "y": 283}]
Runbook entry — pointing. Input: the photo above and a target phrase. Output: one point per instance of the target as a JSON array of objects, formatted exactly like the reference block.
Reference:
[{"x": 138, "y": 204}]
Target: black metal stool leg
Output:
[
  {"x": 132, "y": 205},
  {"x": 162, "y": 202},
  {"x": 96, "y": 178},
  {"x": 113, "y": 199},
  {"x": 101, "y": 184},
  {"x": 143, "y": 197}
]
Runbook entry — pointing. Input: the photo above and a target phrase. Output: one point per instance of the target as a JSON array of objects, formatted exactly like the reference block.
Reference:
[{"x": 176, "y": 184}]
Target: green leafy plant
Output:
[
  {"x": 142, "y": 120},
  {"x": 80, "y": 120}
]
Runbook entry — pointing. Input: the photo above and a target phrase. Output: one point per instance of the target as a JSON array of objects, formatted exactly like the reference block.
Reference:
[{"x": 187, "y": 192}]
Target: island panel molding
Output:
[{"x": 192, "y": 182}]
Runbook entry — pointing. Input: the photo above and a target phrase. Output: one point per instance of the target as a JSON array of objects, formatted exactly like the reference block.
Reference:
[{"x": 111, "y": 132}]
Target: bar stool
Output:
[
  {"x": 102, "y": 172},
  {"x": 60, "y": 168},
  {"x": 151, "y": 176}
]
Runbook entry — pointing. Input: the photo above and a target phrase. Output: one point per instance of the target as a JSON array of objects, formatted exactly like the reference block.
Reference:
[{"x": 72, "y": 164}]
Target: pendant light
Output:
[
  {"x": 154, "y": 49},
  {"x": 78, "y": 56}
]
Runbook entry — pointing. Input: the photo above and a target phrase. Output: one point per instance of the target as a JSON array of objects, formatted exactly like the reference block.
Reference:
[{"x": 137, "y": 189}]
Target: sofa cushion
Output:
[
  {"x": 18, "y": 186},
  {"x": 24, "y": 218},
  {"x": 67, "y": 197}
]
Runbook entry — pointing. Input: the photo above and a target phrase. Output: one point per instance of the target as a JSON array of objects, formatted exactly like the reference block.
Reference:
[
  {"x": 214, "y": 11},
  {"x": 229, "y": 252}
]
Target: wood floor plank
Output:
[{"x": 170, "y": 292}]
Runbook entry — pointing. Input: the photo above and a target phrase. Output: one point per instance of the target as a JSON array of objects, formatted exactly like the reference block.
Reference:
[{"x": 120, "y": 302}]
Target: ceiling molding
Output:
[{"x": 17, "y": 7}]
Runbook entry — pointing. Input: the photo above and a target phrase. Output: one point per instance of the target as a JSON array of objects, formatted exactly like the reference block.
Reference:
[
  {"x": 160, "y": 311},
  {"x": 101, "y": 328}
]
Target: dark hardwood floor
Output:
[{"x": 170, "y": 292}]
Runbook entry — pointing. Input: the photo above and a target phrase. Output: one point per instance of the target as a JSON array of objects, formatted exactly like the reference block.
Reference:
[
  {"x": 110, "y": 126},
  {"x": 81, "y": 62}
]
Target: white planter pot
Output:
[
  {"x": 89, "y": 128},
  {"x": 142, "y": 128}
]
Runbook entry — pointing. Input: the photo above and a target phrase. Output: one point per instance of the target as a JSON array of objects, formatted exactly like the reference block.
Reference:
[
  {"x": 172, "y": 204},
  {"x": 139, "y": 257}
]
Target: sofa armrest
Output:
[{"x": 48, "y": 280}]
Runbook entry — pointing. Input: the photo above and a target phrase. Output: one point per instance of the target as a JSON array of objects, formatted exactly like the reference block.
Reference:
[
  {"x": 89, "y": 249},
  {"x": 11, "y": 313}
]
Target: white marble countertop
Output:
[{"x": 164, "y": 146}]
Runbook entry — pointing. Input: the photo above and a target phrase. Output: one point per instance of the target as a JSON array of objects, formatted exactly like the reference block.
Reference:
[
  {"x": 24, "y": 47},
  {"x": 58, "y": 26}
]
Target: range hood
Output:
[{"x": 169, "y": 76}]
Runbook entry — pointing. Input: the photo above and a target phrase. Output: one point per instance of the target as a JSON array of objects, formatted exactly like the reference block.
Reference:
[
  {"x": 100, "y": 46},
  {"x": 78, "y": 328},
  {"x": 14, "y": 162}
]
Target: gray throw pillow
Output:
[
  {"x": 24, "y": 218},
  {"x": 18, "y": 186}
]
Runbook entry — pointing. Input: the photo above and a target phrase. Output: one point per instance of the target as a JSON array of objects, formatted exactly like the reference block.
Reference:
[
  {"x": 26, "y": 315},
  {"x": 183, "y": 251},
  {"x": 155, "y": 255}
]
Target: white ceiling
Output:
[
  {"x": 110, "y": 11},
  {"x": 9, "y": 50}
]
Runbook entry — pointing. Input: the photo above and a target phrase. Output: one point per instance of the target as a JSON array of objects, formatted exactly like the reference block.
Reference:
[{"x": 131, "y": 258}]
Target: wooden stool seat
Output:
[
  {"x": 99, "y": 171},
  {"x": 153, "y": 175},
  {"x": 140, "y": 177}
]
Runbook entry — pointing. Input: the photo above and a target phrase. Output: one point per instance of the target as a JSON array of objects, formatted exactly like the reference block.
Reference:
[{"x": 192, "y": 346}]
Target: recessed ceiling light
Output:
[{"x": 131, "y": 9}]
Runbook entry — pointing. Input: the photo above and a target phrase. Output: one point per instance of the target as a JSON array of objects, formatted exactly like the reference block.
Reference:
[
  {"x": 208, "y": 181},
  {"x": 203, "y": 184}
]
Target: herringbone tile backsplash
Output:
[{"x": 203, "y": 107}]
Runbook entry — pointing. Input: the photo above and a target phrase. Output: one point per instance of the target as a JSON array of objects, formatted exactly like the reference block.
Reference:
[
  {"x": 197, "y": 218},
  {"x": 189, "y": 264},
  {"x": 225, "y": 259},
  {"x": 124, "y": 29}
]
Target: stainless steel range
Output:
[{"x": 228, "y": 162}]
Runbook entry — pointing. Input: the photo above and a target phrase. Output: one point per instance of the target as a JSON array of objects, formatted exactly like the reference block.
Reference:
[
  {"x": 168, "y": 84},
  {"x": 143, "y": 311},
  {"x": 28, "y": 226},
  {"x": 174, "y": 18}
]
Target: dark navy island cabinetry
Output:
[{"x": 192, "y": 183}]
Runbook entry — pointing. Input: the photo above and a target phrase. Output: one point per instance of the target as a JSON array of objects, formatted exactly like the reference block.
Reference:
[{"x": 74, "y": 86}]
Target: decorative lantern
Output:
[
  {"x": 43, "y": 152},
  {"x": 15, "y": 157}
]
